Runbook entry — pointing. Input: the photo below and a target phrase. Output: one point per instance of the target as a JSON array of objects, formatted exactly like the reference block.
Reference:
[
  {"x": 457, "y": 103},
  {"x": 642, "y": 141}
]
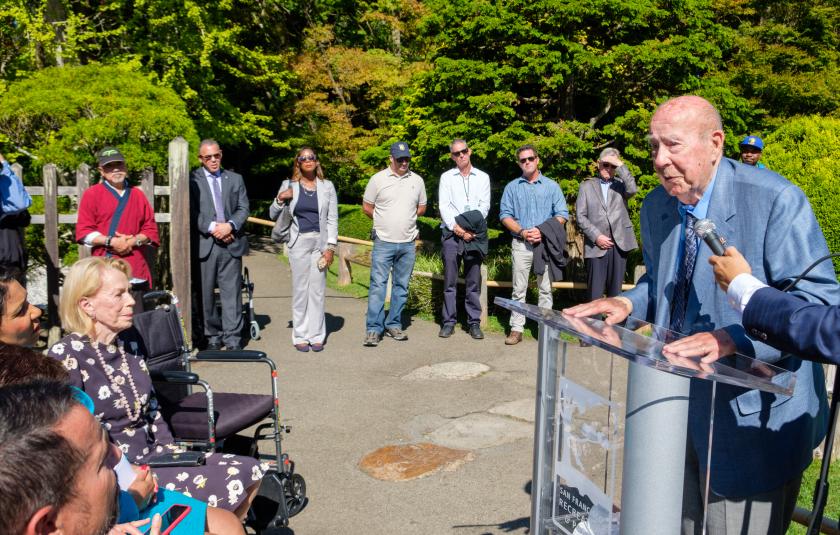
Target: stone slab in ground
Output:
[
  {"x": 480, "y": 430},
  {"x": 411, "y": 461},
  {"x": 452, "y": 371},
  {"x": 521, "y": 409}
]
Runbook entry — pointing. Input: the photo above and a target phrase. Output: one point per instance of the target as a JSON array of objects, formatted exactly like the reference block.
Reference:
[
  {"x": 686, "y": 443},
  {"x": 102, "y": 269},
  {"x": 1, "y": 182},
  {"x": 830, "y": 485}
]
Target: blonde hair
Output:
[{"x": 85, "y": 280}]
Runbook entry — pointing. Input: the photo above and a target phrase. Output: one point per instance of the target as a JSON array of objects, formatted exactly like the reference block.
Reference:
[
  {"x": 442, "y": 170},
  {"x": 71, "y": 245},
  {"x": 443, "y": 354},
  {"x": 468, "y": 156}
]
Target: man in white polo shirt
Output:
[{"x": 394, "y": 198}]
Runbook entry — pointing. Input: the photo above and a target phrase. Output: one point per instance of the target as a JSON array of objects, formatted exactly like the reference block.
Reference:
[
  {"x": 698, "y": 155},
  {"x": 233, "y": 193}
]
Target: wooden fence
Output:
[{"x": 178, "y": 217}]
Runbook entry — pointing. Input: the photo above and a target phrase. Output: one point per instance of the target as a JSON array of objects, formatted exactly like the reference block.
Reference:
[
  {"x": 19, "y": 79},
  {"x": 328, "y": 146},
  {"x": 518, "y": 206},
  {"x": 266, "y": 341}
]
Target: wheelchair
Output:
[{"x": 210, "y": 421}]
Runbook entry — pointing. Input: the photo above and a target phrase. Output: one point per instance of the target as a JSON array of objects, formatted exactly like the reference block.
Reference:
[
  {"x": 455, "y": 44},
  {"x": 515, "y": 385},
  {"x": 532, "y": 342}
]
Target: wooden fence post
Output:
[
  {"x": 82, "y": 184},
  {"x": 147, "y": 186},
  {"x": 345, "y": 272},
  {"x": 180, "y": 232},
  {"x": 51, "y": 246},
  {"x": 482, "y": 296}
]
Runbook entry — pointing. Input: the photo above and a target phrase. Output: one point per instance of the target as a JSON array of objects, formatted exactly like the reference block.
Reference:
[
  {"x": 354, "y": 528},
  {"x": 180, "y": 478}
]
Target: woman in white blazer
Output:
[{"x": 313, "y": 236}]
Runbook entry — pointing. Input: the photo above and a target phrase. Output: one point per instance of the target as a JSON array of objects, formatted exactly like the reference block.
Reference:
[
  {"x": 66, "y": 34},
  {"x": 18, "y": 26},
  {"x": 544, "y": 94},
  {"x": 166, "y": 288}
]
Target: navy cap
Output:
[
  {"x": 752, "y": 141},
  {"x": 400, "y": 150},
  {"x": 108, "y": 155}
]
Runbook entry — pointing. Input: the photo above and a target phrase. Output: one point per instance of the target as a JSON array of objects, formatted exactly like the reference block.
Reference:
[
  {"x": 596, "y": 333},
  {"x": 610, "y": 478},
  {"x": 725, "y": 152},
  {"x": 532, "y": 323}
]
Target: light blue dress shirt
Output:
[{"x": 531, "y": 203}]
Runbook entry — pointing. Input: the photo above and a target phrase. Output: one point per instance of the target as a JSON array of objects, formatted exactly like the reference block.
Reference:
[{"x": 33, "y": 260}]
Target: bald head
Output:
[
  {"x": 686, "y": 140},
  {"x": 703, "y": 115}
]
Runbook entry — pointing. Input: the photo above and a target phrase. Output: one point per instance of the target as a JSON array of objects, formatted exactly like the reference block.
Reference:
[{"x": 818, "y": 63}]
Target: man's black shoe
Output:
[
  {"x": 446, "y": 331},
  {"x": 214, "y": 346},
  {"x": 475, "y": 332},
  {"x": 233, "y": 348}
]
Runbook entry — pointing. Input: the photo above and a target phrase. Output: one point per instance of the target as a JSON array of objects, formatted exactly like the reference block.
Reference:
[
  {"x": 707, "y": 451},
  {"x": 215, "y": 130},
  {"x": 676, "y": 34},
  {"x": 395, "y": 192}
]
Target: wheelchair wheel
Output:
[
  {"x": 295, "y": 493},
  {"x": 255, "y": 331}
]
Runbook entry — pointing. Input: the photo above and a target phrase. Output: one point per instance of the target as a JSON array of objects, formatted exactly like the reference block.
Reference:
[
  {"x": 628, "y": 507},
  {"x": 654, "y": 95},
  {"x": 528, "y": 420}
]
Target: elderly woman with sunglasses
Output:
[{"x": 313, "y": 235}]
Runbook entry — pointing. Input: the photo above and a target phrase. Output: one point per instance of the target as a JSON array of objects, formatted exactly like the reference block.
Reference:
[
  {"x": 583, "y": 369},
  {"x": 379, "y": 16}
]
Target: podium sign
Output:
[
  {"x": 579, "y": 424},
  {"x": 585, "y": 452}
]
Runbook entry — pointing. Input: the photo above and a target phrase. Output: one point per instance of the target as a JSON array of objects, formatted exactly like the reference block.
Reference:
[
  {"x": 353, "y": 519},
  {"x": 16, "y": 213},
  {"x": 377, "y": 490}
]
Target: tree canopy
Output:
[{"x": 348, "y": 78}]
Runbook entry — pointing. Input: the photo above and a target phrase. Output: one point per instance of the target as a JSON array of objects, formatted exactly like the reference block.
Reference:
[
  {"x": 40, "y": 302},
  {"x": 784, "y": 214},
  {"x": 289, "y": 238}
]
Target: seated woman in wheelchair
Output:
[{"x": 101, "y": 353}]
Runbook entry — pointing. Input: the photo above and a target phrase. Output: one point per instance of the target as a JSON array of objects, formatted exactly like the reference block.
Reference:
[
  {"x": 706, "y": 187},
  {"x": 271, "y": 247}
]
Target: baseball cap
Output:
[
  {"x": 752, "y": 141},
  {"x": 400, "y": 150},
  {"x": 108, "y": 155}
]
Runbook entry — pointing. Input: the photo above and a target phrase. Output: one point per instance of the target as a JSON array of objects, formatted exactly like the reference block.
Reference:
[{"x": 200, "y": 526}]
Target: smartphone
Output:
[{"x": 170, "y": 519}]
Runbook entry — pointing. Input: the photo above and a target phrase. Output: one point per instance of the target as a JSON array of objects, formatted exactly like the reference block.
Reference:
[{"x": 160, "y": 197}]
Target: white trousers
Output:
[{"x": 308, "y": 290}]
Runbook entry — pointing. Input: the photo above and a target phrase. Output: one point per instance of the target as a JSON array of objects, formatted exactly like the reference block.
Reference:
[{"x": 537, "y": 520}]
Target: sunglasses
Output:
[
  {"x": 606, "y": 165},
  {"x": 217, "y": 156},
  {"x": 527, "y": 159},
  {"x": 310, "y": 158},
  {"x": 463, "y": 152},
  {"x": 403, "y": 160}
]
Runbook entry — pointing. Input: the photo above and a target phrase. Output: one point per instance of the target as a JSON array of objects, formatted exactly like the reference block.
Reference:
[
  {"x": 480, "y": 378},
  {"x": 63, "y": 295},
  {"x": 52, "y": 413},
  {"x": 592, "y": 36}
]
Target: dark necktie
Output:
[
  {"x": 679, "y": 302},
  {"x": 217, "y": 198}
]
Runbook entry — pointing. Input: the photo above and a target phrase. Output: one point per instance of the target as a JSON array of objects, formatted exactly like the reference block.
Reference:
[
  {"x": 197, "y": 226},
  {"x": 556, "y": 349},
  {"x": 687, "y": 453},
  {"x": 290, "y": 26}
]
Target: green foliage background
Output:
[{"x": 348, "y": 78}]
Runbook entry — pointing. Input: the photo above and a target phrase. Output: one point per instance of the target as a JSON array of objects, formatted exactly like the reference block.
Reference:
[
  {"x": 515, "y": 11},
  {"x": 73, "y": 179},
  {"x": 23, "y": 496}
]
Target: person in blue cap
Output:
[{"x": 751, "y": 147}]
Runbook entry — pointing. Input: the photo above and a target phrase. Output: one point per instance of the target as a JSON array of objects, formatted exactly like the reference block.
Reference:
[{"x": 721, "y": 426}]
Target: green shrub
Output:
[{"x": 804, "y": 151}]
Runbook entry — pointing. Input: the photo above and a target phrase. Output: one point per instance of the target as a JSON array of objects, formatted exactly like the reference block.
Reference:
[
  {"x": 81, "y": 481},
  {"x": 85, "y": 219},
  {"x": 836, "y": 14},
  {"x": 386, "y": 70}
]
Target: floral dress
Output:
[{"x": 117, "y": 379}]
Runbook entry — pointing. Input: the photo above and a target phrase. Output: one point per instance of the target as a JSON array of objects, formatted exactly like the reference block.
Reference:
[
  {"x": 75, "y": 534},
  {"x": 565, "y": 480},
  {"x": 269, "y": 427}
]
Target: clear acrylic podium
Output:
[{"x": 580, "y": 415}]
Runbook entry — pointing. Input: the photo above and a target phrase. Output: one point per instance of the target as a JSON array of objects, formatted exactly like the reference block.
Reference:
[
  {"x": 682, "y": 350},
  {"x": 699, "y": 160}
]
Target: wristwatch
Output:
[{"x": 108, "y": 242}]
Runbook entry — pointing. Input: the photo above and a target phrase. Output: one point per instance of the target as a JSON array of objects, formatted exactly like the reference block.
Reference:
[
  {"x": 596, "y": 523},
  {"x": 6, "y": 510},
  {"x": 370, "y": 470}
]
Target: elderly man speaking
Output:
[{"x": 761, "y": 443}]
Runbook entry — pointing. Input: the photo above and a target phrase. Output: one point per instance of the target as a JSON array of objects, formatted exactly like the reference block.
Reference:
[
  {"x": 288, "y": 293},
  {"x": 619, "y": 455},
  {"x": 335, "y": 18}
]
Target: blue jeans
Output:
[{"x": 385, "y": 257}]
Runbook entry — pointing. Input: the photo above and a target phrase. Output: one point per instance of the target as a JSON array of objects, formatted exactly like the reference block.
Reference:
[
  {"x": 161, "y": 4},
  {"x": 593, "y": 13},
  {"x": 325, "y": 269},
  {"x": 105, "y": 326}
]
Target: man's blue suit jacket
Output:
[
  {"x": 760, "y": 440},
  {"x": 791, "y": 324}
]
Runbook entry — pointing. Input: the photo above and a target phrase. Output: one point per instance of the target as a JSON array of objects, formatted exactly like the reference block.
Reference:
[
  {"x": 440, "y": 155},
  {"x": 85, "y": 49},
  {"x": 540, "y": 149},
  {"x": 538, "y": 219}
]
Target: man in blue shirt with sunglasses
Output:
[{"x": 528, "y": 201}]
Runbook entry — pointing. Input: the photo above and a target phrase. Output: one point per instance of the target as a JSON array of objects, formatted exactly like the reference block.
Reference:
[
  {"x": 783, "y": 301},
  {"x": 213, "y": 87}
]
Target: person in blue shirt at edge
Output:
[
  {"x": 15, "y": 202},
  {"x": 779, "y": 319},
  {"x": 528, "y": 201},
  {"x": 751, "y": 147}
]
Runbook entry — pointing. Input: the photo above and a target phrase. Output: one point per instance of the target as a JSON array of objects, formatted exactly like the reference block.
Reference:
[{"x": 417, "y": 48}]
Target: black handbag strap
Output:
[{"x": 122, "y": 202}]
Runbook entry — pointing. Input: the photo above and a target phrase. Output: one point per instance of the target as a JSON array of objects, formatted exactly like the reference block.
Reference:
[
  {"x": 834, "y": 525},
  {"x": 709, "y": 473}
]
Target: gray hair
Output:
[
  {"x": 209, "y": 142},
  {"x": 609, "y": 151},
  {"x": 39, "y": 465},
  {"x": 456, "y": 141}
]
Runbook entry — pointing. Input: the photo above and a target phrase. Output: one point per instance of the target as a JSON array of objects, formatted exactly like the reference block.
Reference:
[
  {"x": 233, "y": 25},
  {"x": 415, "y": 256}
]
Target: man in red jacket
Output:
[{"x": 115, "y": 219}]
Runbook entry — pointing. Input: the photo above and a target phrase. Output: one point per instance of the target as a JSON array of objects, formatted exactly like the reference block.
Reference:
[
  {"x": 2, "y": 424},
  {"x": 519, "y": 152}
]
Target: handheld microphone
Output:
[{"x": 706, "y": 229}]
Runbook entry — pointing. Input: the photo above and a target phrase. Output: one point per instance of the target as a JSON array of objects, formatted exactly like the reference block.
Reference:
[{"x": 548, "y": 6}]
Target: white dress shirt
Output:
[
  {"x": 458, "y": 194},
  {"x": 741, "y": 289}
]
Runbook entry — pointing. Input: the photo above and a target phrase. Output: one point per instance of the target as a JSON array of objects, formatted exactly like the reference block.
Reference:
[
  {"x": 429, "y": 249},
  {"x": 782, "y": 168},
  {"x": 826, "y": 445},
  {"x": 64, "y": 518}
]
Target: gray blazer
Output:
[
  {"x": 610, "y": 218},
  {"x": 327, "y": 211},
  {"x": 203, "y": 211}
]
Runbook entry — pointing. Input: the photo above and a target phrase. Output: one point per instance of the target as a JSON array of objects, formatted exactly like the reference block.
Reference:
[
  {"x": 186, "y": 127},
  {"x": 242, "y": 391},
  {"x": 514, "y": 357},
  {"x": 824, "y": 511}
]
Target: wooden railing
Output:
[{"x": 347, "y": 256}]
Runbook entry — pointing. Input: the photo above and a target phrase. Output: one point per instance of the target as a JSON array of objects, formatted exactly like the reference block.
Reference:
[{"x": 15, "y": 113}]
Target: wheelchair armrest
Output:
[
  {"x": 177, "y": 377},
  {"x": 243, "y": 355}
]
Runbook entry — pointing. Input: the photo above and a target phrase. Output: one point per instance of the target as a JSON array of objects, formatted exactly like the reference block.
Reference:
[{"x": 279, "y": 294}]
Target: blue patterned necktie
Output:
[
  {"x": 217, "y": 198},
  {"x": 679, "y": 302}
]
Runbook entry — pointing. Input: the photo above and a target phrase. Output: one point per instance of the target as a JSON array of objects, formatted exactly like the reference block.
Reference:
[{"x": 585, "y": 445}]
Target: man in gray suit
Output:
[
  {"x": 219, "y": 209},
  {"x": 761, "y": 443},
  {"x": 601, "y": 212}
]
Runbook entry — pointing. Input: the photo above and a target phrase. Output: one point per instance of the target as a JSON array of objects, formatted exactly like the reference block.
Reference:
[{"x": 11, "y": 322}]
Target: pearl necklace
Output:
[{"x": 137, "y": 406}]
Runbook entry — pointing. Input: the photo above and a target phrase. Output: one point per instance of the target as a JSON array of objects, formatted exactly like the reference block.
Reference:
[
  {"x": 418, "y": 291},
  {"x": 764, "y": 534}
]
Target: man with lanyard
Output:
[
  {"x": 462, "y": 189},
  {"x": 528, "y": 201},
  {"x": 115, "y": 219}
]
